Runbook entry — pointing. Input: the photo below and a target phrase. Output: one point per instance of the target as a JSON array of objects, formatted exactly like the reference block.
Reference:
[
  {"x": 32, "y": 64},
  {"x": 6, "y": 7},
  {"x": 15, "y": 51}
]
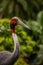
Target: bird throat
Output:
[
  {"x": 13, "y": 31},
  {"x": 16, "y": 42}
]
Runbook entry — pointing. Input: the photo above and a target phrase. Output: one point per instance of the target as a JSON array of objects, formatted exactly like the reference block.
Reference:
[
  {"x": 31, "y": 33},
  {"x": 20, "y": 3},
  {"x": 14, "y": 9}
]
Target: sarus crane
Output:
[{"x": 8, "y": 58}]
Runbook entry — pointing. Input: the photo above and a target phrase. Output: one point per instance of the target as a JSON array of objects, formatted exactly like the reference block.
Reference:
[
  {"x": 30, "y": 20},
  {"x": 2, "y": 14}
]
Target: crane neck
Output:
[
  {"x": 16, "y": 42},
  {"x": 16, "y": 53}
]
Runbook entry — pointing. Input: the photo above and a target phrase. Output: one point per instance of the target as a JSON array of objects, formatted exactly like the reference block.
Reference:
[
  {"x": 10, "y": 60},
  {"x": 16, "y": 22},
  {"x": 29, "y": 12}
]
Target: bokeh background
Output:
[{"x": 31, "y": 41}]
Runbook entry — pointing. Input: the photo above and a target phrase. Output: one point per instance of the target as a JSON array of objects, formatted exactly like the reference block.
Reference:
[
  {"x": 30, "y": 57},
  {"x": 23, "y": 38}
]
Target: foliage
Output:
[
  {"x": 20, "y": 62},
  {"x": 31, "y": 41},
  {"x": 21, "y": 8},
  {"x": 6, "y": 37}
]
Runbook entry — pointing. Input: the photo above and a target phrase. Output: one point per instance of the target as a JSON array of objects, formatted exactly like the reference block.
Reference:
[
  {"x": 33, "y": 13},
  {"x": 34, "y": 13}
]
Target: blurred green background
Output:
[{"x": 31, "y": 41}]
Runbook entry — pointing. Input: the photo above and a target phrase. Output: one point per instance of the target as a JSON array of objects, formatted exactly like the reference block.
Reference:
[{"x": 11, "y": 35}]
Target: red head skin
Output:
[{"x": 13, "y": 22}]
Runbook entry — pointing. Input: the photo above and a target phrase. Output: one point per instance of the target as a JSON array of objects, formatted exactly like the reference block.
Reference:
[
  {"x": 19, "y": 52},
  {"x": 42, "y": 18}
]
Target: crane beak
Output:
[{"x": 23, "y": 25}]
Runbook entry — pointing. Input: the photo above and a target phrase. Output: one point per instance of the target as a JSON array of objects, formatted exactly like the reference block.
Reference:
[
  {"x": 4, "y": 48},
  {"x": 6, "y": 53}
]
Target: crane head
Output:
[{"x": 16, "y": 21}]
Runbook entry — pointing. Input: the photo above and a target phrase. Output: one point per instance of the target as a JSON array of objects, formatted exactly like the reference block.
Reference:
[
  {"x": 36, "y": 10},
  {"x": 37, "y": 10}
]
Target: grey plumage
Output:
[
  {"x": 4, "y": 55},
  {"x": 7, "y": 58}
]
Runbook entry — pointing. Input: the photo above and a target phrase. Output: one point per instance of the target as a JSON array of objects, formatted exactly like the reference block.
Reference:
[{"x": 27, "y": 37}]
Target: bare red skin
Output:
[
  {"x": 13, "y": 31},
  {"x": 13, "y": 22}
]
